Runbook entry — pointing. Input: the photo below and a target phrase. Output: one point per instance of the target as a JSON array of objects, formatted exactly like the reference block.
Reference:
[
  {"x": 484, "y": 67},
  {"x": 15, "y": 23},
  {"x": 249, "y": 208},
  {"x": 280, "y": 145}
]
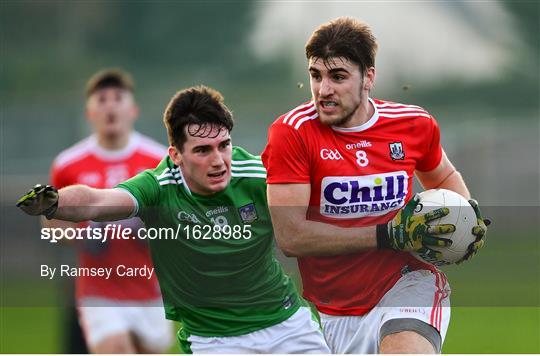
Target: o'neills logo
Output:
[{"x": 355, "y": 197}]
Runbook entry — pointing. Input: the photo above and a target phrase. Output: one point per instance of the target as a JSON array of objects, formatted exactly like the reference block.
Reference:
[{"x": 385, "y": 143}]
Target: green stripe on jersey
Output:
[{"x": 215, "y": 286}]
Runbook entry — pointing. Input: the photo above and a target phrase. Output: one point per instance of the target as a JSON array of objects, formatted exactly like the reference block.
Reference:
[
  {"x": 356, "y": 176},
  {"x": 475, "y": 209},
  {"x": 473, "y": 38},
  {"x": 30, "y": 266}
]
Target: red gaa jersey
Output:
[
  {"x": 359, "y": 176},
  {"x": 88, "y": 163}
]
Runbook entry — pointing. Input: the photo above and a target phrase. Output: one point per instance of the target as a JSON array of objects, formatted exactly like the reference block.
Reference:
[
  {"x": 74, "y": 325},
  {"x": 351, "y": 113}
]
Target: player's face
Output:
[
  {"x": 111, "y": 111},
  {"x": 205, "y": 161},
  {"x": 338, "y": 89}
]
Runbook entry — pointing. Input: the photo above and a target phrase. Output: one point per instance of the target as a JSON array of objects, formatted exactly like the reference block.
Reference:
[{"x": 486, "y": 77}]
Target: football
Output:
[{"x": 461, "y": 215}]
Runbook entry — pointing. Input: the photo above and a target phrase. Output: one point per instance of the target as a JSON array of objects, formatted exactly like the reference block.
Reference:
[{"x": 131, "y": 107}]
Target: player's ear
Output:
[
  {"x": 175, "y": 155},
  {"x": 134, "y": 107},
  {"x": 369, "y": 78},
  {"x": 90, "y": 107},
  {"x": 135, "y": 111},
  {"x": 88, "y": 112}
]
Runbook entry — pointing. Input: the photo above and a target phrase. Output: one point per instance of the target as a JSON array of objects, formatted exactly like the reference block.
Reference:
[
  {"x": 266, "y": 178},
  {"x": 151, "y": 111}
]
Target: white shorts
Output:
[
  {"x": 100, "y": 318},
  {"x": 300, "y": 334},
  {"x": 419, "y": 301}
]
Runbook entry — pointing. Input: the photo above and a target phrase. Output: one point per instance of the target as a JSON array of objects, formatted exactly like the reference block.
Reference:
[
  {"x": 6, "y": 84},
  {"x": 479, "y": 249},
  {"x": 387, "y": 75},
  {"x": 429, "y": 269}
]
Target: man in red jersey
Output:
[
  {"x": 340, "y": 172},
  {"x": 120, "y": 314}
]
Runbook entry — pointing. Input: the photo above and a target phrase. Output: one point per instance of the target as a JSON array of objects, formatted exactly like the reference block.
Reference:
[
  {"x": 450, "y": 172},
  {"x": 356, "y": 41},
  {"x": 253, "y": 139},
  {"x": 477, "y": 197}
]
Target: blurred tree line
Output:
[{"x": 49, "y": 48}]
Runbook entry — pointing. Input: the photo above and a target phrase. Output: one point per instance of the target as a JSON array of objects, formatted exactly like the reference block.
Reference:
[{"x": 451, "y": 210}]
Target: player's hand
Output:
[
  {"x": 40, "y": 200},
  {"x": 409, "y": 232},
  {"x": 480, "y": 231}
]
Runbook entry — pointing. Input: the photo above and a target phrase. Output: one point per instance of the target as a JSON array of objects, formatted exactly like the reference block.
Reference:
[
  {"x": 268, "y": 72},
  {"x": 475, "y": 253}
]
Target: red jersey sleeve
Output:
[
  {"x": 433, "y": 149},
  {"x": 57, "y": 177},
  {"x": 285, "y": 156}
]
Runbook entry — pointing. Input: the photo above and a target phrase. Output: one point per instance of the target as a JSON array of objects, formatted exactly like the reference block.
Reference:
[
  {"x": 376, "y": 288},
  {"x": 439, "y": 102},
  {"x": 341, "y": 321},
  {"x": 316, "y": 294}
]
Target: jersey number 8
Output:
[{"x": 361, "y": 158}]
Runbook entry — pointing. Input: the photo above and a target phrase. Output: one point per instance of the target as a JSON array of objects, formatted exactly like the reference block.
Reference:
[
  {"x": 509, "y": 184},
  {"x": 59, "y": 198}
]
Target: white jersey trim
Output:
[
  {"x": 366, "y": 125},
  {"x": 249, "y": 161},
  {"x": 135, "y": 201},
  {"x": 400, "y": 110},
  {"x": 248, "y": 168},
  {"x": 74, "y": 153},
  {"x": 397, "y": 105},
  {"x": 153, "y": 148},
  {"x": 170, "y": 181},
  {"x": 412, "y": 114},
  {"x": 113, "y": 155},
  {"x": 301, "y": 114},
  {"x": 397, "y": 110},
  {"x": 301, "y": 121},
  {"x": 90, "y": 145},
  {"x": 298, "y": 111},
  {"x": 182, "y": 181},
  {"x": 167, "y": 172},
  {"x": 248, "y": 175},
  {"x": 172, "y": 176}
]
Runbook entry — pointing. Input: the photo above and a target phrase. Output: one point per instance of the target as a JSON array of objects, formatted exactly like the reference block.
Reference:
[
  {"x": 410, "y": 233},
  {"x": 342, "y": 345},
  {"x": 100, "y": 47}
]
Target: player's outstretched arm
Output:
[
  {"x": 77, "y": 203},
  {"x": 297, "y": 236}
]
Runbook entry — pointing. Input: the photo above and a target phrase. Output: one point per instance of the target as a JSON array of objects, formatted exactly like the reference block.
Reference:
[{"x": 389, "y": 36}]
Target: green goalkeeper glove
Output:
[
  {"x": 409, "y": 232},
  {"x": 479, "y": 231},
  {"x": 40, "y": 200}
]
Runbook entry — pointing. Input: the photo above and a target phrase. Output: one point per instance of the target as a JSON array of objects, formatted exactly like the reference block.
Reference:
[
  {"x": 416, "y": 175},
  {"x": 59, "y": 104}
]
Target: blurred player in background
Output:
[
  {"x": 122, "y": 314},
  {"x": 218, "y": 277},
  {"x": 351, "y": 160}
]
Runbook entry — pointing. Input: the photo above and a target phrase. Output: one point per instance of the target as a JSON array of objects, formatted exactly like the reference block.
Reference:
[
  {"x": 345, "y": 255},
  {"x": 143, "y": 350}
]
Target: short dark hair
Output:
[
  {"x": 110, "y": 78},
  {"x": 199, "y": 107},
  {"x": 344, "y": 37}
]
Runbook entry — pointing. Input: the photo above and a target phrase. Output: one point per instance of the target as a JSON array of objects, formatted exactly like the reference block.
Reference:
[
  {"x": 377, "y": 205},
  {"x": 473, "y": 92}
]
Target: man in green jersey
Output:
[{"x": 209, "y": 232}]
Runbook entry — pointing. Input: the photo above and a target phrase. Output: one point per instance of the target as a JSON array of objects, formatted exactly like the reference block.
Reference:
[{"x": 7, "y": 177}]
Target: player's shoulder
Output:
[
  {"x": 166, "y": 173},
  {"x": 393, "y": 110},
  {"x": 163, "y": 165},
  {"x": 246, "y": 165},
  {"x": 75, "y": 153},
  {"x": 149, "y": 146},
  {"x": 241, "y": 154},
  {"x": 165, "y": 168},
  {"x": 298, "y": 117}
]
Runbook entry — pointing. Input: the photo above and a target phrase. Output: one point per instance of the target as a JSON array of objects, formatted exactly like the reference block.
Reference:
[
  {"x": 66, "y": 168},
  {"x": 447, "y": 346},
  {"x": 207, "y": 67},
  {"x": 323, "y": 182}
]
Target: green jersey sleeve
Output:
[{"x": 144, "y": 188}]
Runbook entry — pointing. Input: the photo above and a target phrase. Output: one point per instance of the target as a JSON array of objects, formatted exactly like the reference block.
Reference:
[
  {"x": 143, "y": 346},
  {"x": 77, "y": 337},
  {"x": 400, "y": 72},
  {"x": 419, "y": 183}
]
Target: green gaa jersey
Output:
[{"x": 213, "y": 255}]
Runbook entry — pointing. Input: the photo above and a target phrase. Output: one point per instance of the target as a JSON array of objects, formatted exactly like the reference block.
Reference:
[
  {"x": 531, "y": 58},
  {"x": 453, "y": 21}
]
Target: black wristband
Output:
[{"x": 383, "y": 240}]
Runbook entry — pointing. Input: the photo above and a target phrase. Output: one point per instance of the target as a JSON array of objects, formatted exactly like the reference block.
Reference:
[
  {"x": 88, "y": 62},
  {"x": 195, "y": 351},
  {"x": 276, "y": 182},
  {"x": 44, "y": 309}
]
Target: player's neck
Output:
[
  {"x": 362, "y": 114},
  {"x": 113, "y": 142}
]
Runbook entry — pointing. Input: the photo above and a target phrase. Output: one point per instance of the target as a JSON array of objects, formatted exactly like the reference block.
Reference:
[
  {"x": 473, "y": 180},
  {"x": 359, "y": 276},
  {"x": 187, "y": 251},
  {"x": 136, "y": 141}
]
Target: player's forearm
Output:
[
  {"x": 77, "y": 203},
  {"x": 444, "y": 176},
  {"x": 301, "y": 237},
  {"x": 455, "y": 183},
  {"x": 319, "y": 239},
  {"x": 81, "y": 203}
]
